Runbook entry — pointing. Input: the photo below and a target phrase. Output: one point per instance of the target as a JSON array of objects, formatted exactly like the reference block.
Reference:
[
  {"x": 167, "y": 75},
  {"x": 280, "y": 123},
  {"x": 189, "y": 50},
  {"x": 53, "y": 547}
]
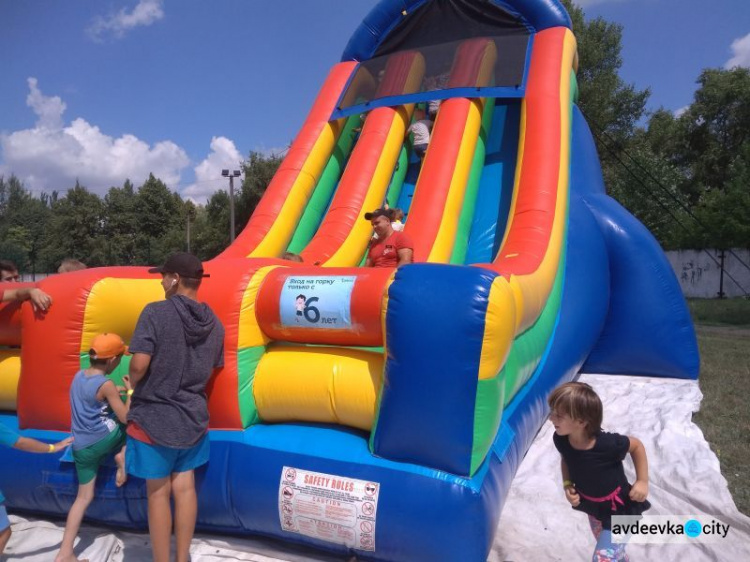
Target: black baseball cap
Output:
[
  {"x": 183, "y": 264},
  {"x": 378, "y": 213}
]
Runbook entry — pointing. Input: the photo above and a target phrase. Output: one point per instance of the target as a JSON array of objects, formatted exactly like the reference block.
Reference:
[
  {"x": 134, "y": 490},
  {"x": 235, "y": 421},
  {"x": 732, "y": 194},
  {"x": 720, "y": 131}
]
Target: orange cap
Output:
[{"x": 106, "y": 346}]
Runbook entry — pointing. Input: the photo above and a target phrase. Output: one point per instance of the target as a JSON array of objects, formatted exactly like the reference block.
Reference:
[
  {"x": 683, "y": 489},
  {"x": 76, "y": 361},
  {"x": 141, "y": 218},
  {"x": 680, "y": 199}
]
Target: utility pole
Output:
[{"x": 234, "y": 174}]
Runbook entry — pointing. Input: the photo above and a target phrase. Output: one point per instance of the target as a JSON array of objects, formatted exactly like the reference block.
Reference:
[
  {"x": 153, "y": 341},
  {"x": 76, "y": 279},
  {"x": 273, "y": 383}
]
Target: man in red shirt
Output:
[
  {"x": 39, "y": 299},
  {"x": 389, "y": 248}
]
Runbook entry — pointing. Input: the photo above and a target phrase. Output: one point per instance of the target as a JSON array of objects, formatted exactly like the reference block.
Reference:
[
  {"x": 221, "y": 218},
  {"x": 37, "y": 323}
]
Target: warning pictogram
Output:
[
  {"x": 368, "y": 508},
  {"x": 366, "y": 526},
  {"x": 371, "y": 489},
  {"x": 290, "y": 474},
  {"x": 287, "y": 493}
]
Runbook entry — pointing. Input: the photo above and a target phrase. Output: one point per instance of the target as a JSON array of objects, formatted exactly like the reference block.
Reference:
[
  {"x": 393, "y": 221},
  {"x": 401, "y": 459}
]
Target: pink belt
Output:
[{"x": 613, "y": 497}]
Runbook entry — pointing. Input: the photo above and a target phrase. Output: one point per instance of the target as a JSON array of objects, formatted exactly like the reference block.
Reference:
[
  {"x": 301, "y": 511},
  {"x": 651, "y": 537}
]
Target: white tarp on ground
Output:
[{"x": 537, "y": 523}]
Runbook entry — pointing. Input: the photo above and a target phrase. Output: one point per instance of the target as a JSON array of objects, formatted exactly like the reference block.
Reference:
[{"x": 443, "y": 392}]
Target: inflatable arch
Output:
[{"x": 388, "y": 418}]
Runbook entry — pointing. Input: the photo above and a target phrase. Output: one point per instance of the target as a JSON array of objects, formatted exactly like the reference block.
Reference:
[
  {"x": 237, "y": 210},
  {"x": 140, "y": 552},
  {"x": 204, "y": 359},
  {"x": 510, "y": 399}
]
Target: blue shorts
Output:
[
  {"x": 420, "y": 149},
  {"x": 4, "y": 521},
  {"x": 157, "y": 461}
]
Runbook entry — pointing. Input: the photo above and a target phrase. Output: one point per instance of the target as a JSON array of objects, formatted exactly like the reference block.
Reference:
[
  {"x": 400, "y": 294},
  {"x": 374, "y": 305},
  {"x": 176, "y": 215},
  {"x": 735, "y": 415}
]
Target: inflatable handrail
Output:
[{"x": 272, "y": 223}]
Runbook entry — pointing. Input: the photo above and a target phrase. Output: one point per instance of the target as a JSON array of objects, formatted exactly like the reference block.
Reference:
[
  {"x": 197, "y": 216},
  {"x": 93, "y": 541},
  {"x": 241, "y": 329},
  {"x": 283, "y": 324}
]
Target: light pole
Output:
[{"x": 234, "y": 174}]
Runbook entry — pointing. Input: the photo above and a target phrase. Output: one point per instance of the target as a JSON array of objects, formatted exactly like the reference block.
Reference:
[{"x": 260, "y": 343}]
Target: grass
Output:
[
  {"x": 723, "y": 329},
  {"x": 724, "y": 312}
]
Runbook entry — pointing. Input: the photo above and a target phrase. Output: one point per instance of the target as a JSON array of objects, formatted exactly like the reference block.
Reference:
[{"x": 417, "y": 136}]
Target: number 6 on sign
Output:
[{"x": 311, "y": 313}]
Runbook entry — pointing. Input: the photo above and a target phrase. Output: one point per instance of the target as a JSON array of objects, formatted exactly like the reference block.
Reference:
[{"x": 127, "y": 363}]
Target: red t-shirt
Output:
[
  {"x": 384, "y": 253},
  {"x": 2, "y": 293}
]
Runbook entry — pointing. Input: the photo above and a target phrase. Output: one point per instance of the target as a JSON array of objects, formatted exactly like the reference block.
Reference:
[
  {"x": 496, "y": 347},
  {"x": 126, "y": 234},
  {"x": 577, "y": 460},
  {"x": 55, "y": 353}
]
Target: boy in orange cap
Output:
[{"x": 95, "y": 402}]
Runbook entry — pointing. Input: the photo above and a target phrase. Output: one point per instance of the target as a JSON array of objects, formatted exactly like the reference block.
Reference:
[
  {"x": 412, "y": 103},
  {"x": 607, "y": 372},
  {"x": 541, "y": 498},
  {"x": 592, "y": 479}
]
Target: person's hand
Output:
[
  {"x": 39, "y": 299},
  {"x": 572, "y": 496},
  {"x": 126, "y": 382},
  {"x": 62, "y": 444},
  {"x": 639, "y": 491}
]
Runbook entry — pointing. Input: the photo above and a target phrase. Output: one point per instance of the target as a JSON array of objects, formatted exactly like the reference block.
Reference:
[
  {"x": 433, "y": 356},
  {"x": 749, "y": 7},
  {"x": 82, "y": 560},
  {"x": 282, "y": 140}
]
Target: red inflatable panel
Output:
[
  {"x": 528, "y": 239},
  {"x": 365, "y": 306}
]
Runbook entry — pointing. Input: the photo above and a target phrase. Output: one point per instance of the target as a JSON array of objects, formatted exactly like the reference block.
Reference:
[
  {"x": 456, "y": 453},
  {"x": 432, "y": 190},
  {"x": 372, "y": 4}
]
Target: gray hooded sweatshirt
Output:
[{"x": 185, "y": 340}]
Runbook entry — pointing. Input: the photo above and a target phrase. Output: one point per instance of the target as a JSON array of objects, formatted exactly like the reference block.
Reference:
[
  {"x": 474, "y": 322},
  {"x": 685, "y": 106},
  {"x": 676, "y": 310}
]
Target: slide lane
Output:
[
  {"x": 326, "y": 186},
  {"x": 533, "y": 242},
  {"x": 496, "y": 184},
  {"x": 468, "y": 208},
  {"x": 343, "y": 236},
  {"x": 439, "y": 194}
]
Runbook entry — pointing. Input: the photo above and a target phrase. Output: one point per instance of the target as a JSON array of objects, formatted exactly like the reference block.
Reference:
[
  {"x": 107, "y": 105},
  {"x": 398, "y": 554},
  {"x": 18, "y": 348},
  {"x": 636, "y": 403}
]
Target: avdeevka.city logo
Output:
[
  {"x": 693, "y": 528},
  {"x": 655, "y": 529}
]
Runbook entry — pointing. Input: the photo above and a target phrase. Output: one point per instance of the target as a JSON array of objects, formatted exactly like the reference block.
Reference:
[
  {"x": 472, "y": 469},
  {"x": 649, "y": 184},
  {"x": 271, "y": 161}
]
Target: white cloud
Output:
[
  {"x": 208, "y": 178},
  {"x": 740, "y": 53},
  {"x": 52, "y": 156},
  {"x": 48, "y": 109},
  {"x": 679, "y": 112},
  {"x": 116, "y": 25}
]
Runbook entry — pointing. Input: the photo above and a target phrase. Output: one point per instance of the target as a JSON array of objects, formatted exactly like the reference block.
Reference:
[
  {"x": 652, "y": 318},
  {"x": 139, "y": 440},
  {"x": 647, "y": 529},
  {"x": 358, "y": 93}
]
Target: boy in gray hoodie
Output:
[{"x": 176, "y": 346}]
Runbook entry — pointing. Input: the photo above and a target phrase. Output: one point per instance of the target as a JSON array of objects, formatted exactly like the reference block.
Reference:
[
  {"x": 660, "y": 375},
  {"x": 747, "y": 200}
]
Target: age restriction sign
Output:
[
  {"x": 316, "y": 301},
  {"x": 328, "y": 507}
]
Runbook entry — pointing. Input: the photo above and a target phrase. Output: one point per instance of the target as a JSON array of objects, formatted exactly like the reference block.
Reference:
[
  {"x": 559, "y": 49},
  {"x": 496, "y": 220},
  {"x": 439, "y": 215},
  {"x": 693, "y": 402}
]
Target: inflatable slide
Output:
[{"x": 383, "y": 412}]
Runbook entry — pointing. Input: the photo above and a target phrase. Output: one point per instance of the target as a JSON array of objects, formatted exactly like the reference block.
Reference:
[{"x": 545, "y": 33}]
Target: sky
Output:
[{"x": 100, "y": 91}]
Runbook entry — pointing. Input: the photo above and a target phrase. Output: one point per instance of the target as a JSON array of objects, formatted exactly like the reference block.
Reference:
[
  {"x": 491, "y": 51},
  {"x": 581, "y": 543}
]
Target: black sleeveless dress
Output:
[{"x": 599, "y": 477}]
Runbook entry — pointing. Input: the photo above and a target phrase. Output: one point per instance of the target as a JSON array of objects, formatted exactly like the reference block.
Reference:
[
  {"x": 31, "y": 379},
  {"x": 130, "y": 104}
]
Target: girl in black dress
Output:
[{"x": 591, "y": 464}]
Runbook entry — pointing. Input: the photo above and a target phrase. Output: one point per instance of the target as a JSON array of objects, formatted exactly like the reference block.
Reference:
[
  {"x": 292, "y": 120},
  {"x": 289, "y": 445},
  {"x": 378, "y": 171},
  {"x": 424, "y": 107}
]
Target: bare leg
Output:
[
  {"x": 73, "y": 524},
  {"x": 159, "y": 517},
  {"x": 185, "y": 512},
  {"x": 4, "y": 538},
  {"x": 122, "y": 476}
]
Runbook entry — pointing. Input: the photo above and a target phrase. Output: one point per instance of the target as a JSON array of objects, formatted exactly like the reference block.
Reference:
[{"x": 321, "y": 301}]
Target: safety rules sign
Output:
[{"x": 329, "y": 507}]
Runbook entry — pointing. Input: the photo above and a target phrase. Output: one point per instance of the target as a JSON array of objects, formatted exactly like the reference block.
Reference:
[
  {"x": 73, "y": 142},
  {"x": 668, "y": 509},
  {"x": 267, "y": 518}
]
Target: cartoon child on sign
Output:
[{"x": 300, "y": 305}]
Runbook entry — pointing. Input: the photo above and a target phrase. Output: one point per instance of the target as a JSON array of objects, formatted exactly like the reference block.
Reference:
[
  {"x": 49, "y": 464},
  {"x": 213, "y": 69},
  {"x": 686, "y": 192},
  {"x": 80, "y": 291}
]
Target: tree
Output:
[
  {"x": 120, "y": 225},
  {"x": 709, "y": 146},
  {"x": 613, "y": 110},
  {"x": 23, "y": 221},
  {"x": 212, "y": 226},
  {"x": 75, "y": 229},
  {"x": 158, "y": 213},
  {"x": 610, "y": 105}
]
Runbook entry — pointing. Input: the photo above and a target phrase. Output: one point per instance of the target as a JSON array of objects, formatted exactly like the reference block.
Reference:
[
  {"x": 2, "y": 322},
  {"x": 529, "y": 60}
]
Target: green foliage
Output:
[
  {"x": 686, "y": 178},
  {"x": 75, "y": 229},
  {"x": 23, "y": 220},
  {"x": 128, "y": 226},
  {"x": 120, "y": 225},
  {"x": 708, "y": 147},
  {"x": 609, "y": 104}
]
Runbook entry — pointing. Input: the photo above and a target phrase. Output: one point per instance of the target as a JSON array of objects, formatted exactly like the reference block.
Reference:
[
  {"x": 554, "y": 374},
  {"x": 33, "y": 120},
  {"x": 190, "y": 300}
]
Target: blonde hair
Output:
[
  {"x": 69, "y": 265},
  {"x": 579, "y": 401}
]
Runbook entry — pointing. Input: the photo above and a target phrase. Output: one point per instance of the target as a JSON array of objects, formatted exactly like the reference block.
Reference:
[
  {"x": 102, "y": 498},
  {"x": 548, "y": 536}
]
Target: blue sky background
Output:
[{"x": 102, "y": 91}]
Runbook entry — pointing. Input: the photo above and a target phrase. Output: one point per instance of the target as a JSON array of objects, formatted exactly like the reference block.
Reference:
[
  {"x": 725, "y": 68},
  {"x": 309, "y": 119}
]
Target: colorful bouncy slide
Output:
[{"x": 374, "y": 411}]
